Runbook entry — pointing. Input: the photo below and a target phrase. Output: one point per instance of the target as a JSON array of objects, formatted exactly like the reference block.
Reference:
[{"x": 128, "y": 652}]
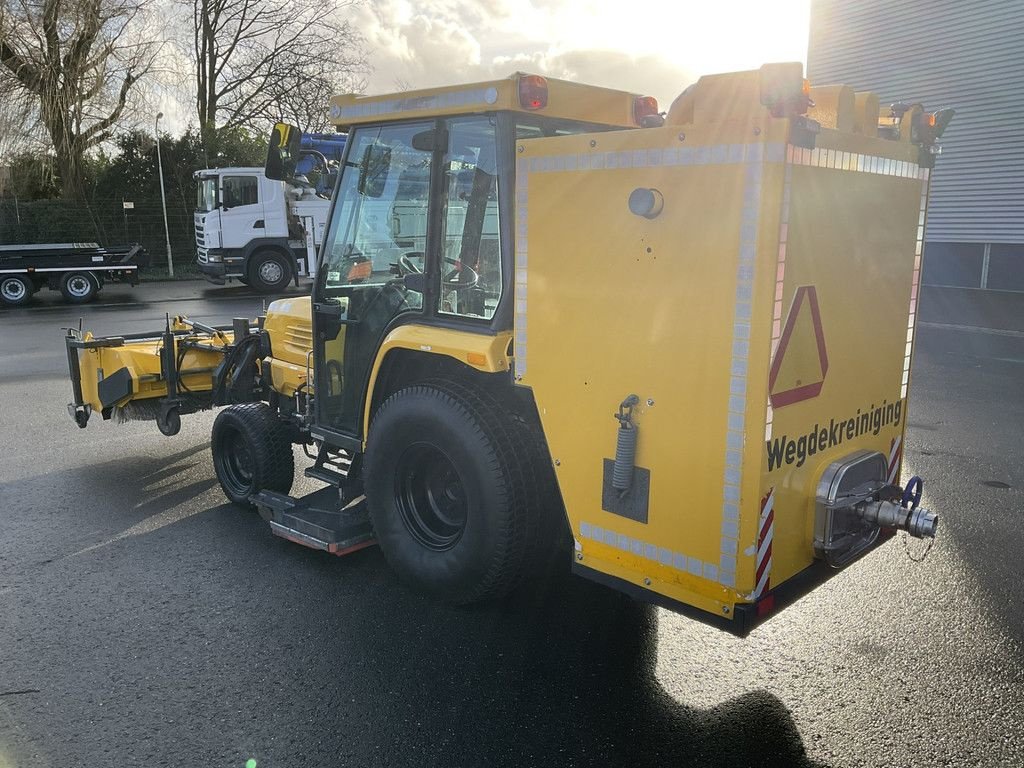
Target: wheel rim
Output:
[
  {"x": 430, "y": 497},
  {"x": 271, "y": 272},
  {"x": 13, "y": 290},
  {"x": 237, "y": 463},
  {"x": 79, "y": 286}
]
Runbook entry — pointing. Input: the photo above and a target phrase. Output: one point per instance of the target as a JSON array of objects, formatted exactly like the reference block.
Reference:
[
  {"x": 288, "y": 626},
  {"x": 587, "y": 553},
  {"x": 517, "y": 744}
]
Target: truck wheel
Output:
[
  {"x": 269, "y": 272},
  {"x": 16, "y": 291},
  {"x": 79, "y": 287},
  {"x": 449, "y": 487},
  {"x": 252, "y": 452}
]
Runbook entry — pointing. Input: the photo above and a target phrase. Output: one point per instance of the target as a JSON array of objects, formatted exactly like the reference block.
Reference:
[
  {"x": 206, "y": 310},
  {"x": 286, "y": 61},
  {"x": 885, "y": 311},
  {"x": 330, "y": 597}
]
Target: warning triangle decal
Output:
[{"x": 801, "y": 360}]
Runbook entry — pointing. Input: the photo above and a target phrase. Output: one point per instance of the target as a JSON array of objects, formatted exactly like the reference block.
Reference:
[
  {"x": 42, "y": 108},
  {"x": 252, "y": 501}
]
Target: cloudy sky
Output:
[{"x": 655, "y": 47}]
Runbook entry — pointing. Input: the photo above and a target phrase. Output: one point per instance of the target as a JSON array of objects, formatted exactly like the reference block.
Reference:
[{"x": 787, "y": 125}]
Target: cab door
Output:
[
  {"x": 371, "y": 268},
  {"x": 241, "y": 210}
]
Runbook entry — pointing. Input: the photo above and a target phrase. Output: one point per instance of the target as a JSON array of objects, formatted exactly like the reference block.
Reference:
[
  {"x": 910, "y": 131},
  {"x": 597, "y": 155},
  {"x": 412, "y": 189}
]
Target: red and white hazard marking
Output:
[
  {"x": 765, "y": 533},
  {"x": 895, "y": 451}
]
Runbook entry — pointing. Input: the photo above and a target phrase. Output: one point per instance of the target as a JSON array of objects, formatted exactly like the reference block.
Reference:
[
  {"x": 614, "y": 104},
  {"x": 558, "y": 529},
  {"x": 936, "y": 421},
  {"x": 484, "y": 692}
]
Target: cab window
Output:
[
  {"x": 471, "y": 251},
  {"x": 240, "y": 190},
  {"x": 379, "y": 227}
]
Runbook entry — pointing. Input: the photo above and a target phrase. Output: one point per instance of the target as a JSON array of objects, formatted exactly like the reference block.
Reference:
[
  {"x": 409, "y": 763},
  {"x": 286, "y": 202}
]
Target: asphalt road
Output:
[{"x": 143, "y": 621}]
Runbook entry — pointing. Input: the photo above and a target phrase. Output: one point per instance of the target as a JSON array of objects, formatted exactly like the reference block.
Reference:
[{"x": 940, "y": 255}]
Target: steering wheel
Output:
[
  {"x": 405, "y": 266},
  {"x": 467, "y": 277}
]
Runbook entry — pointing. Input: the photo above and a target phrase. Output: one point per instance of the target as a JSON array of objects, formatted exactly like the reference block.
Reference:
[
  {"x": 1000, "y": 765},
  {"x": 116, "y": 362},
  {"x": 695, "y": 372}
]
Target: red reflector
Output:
[
  {"x": 766, "y": 605},
  {"x": 644, "y": 106},
  {"x": 533, "y": 92}
]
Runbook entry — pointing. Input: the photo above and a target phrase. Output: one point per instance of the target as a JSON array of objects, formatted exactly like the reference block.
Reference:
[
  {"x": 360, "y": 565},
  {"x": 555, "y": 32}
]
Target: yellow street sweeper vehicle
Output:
[{"x": 679, "y": 343}]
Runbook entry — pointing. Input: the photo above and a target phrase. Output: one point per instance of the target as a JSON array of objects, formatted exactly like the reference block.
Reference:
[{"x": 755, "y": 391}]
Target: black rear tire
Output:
[
  {"x": 269, "y": 271},
  {"x": 79, "y": 287},
  {"x": 451, "y": 489},
  {"x": 252, "y": 452},
  {"x": 16, "y": 291}
]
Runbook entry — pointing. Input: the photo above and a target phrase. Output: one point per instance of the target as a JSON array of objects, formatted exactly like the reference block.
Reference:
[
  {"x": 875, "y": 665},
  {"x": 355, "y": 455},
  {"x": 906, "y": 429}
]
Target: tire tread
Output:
[
  {"x": 525, "y": 536},
  {"x": 270, "y": 442}
]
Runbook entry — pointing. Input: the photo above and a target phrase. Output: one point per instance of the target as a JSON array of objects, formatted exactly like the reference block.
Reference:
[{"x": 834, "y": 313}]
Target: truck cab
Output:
[{"x": 253, "y": 229}]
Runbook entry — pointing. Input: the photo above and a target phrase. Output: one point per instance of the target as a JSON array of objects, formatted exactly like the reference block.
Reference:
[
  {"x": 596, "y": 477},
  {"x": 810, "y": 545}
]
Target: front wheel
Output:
[
  {"x": 269, "y": 272},
  {"x": 252, "y": 452},
  {"x": 450, "y": 485}
]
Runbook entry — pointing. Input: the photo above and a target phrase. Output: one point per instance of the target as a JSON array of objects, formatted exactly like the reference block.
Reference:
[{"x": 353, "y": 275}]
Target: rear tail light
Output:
[
  {"x": 766, "y": 605},
  {"x": 644, "y": 106},
  {"x": 533, "y": 92}
]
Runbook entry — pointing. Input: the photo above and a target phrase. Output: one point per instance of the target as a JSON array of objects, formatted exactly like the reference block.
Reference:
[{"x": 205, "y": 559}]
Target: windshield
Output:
[
  {"x": 206, "y": 195},
  {"x": 381, "y": 217}
]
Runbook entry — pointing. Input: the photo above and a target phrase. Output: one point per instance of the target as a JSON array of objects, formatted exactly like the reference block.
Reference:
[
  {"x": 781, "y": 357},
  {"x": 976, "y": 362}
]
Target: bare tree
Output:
[
  {"x": 257, "y": 61},
  {"x": 80, "y": 61}
]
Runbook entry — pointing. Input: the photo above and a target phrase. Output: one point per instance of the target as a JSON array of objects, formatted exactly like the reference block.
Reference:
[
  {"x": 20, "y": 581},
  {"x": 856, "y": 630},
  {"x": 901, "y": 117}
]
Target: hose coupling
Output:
[{"x": 917, "y": 521}]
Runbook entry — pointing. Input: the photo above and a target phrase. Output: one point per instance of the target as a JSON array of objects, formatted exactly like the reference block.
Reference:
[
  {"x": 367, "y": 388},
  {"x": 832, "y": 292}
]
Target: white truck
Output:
[{"x": 261, "y": 232}]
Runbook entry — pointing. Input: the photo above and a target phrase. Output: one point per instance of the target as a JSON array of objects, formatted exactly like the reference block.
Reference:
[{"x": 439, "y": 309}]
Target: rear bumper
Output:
[{"x": 745, "y": 616}]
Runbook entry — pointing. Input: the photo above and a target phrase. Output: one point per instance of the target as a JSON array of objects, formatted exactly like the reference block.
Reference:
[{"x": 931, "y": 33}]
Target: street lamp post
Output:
[{"x": 163, "y": 197}]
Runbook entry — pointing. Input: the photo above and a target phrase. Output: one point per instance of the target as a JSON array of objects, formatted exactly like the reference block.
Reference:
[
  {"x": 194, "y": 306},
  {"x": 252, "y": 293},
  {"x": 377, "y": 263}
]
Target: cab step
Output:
[
  {"x": 333, "y": 466},
  {"x": 315, "y": 520}
]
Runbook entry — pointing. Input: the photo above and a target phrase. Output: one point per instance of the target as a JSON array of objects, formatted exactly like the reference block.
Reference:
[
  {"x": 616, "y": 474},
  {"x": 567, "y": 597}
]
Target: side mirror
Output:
[
  {"x": 374, "y": 169},
  {"x": 283, "y": 152}
]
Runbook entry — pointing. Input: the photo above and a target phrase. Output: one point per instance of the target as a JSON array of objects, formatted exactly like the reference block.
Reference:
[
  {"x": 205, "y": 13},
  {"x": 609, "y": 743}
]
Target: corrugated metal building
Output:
[{"x": 946, "y": 53}]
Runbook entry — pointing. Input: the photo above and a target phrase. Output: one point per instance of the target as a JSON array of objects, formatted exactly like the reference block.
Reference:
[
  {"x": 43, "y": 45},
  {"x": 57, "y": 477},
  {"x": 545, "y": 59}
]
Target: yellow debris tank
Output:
[{"x": 736, "y": 291}]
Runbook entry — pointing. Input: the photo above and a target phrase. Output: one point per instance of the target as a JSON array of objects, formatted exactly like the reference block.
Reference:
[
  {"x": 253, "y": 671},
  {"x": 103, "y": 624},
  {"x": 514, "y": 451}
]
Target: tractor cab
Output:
[{"x": 420, "y": 232}]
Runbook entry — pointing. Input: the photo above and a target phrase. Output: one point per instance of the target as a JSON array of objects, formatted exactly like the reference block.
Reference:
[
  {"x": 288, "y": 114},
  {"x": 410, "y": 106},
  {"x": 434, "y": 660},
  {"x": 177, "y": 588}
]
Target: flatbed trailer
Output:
[{"x": 78, "y": 270}]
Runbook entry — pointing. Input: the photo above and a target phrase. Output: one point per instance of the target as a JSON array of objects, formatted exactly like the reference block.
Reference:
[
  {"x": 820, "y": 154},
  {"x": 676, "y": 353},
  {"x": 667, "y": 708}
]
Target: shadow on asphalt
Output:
[
  {"x": 354, "y": 664},
  {"x": 568, "y": 668}
]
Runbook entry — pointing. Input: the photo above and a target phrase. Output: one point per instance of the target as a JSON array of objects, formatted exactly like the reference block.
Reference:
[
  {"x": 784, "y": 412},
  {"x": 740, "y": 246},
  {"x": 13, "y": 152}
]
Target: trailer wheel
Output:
[
  {"x": 15, "y": 290},
  {"x": 252, "y": 452},
  {"x": 450, "y": 491},
  {"x": 269, "y": 271},
  {"x": 79, "y": 287}
]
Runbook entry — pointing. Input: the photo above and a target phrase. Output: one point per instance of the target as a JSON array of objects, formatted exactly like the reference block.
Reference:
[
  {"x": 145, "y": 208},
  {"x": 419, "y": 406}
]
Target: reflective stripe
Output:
[
  {"x": 445, "y": 100},
  {"x": 895, "y": 449},
  {"x": 737, "y": 403},
  {"x": 26, "y": 270},
  {"x": 856, "y": 162},
  {"x": 780, "y": 276},
  {"x": 676, "y": 560},
  {"x": 719, "y": 154},
  {"x": 765, "y": 536},
  {"x": 915, "y": 283}
]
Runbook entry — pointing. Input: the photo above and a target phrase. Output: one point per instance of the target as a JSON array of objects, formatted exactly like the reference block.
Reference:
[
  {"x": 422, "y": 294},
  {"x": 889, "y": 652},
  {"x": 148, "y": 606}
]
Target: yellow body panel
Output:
[
  {"x": 687, "y": 310},
  {"x": 566, "y": 100},
  {"x": 290, "y": 325},
  {"x": 484, "y": 352}
]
